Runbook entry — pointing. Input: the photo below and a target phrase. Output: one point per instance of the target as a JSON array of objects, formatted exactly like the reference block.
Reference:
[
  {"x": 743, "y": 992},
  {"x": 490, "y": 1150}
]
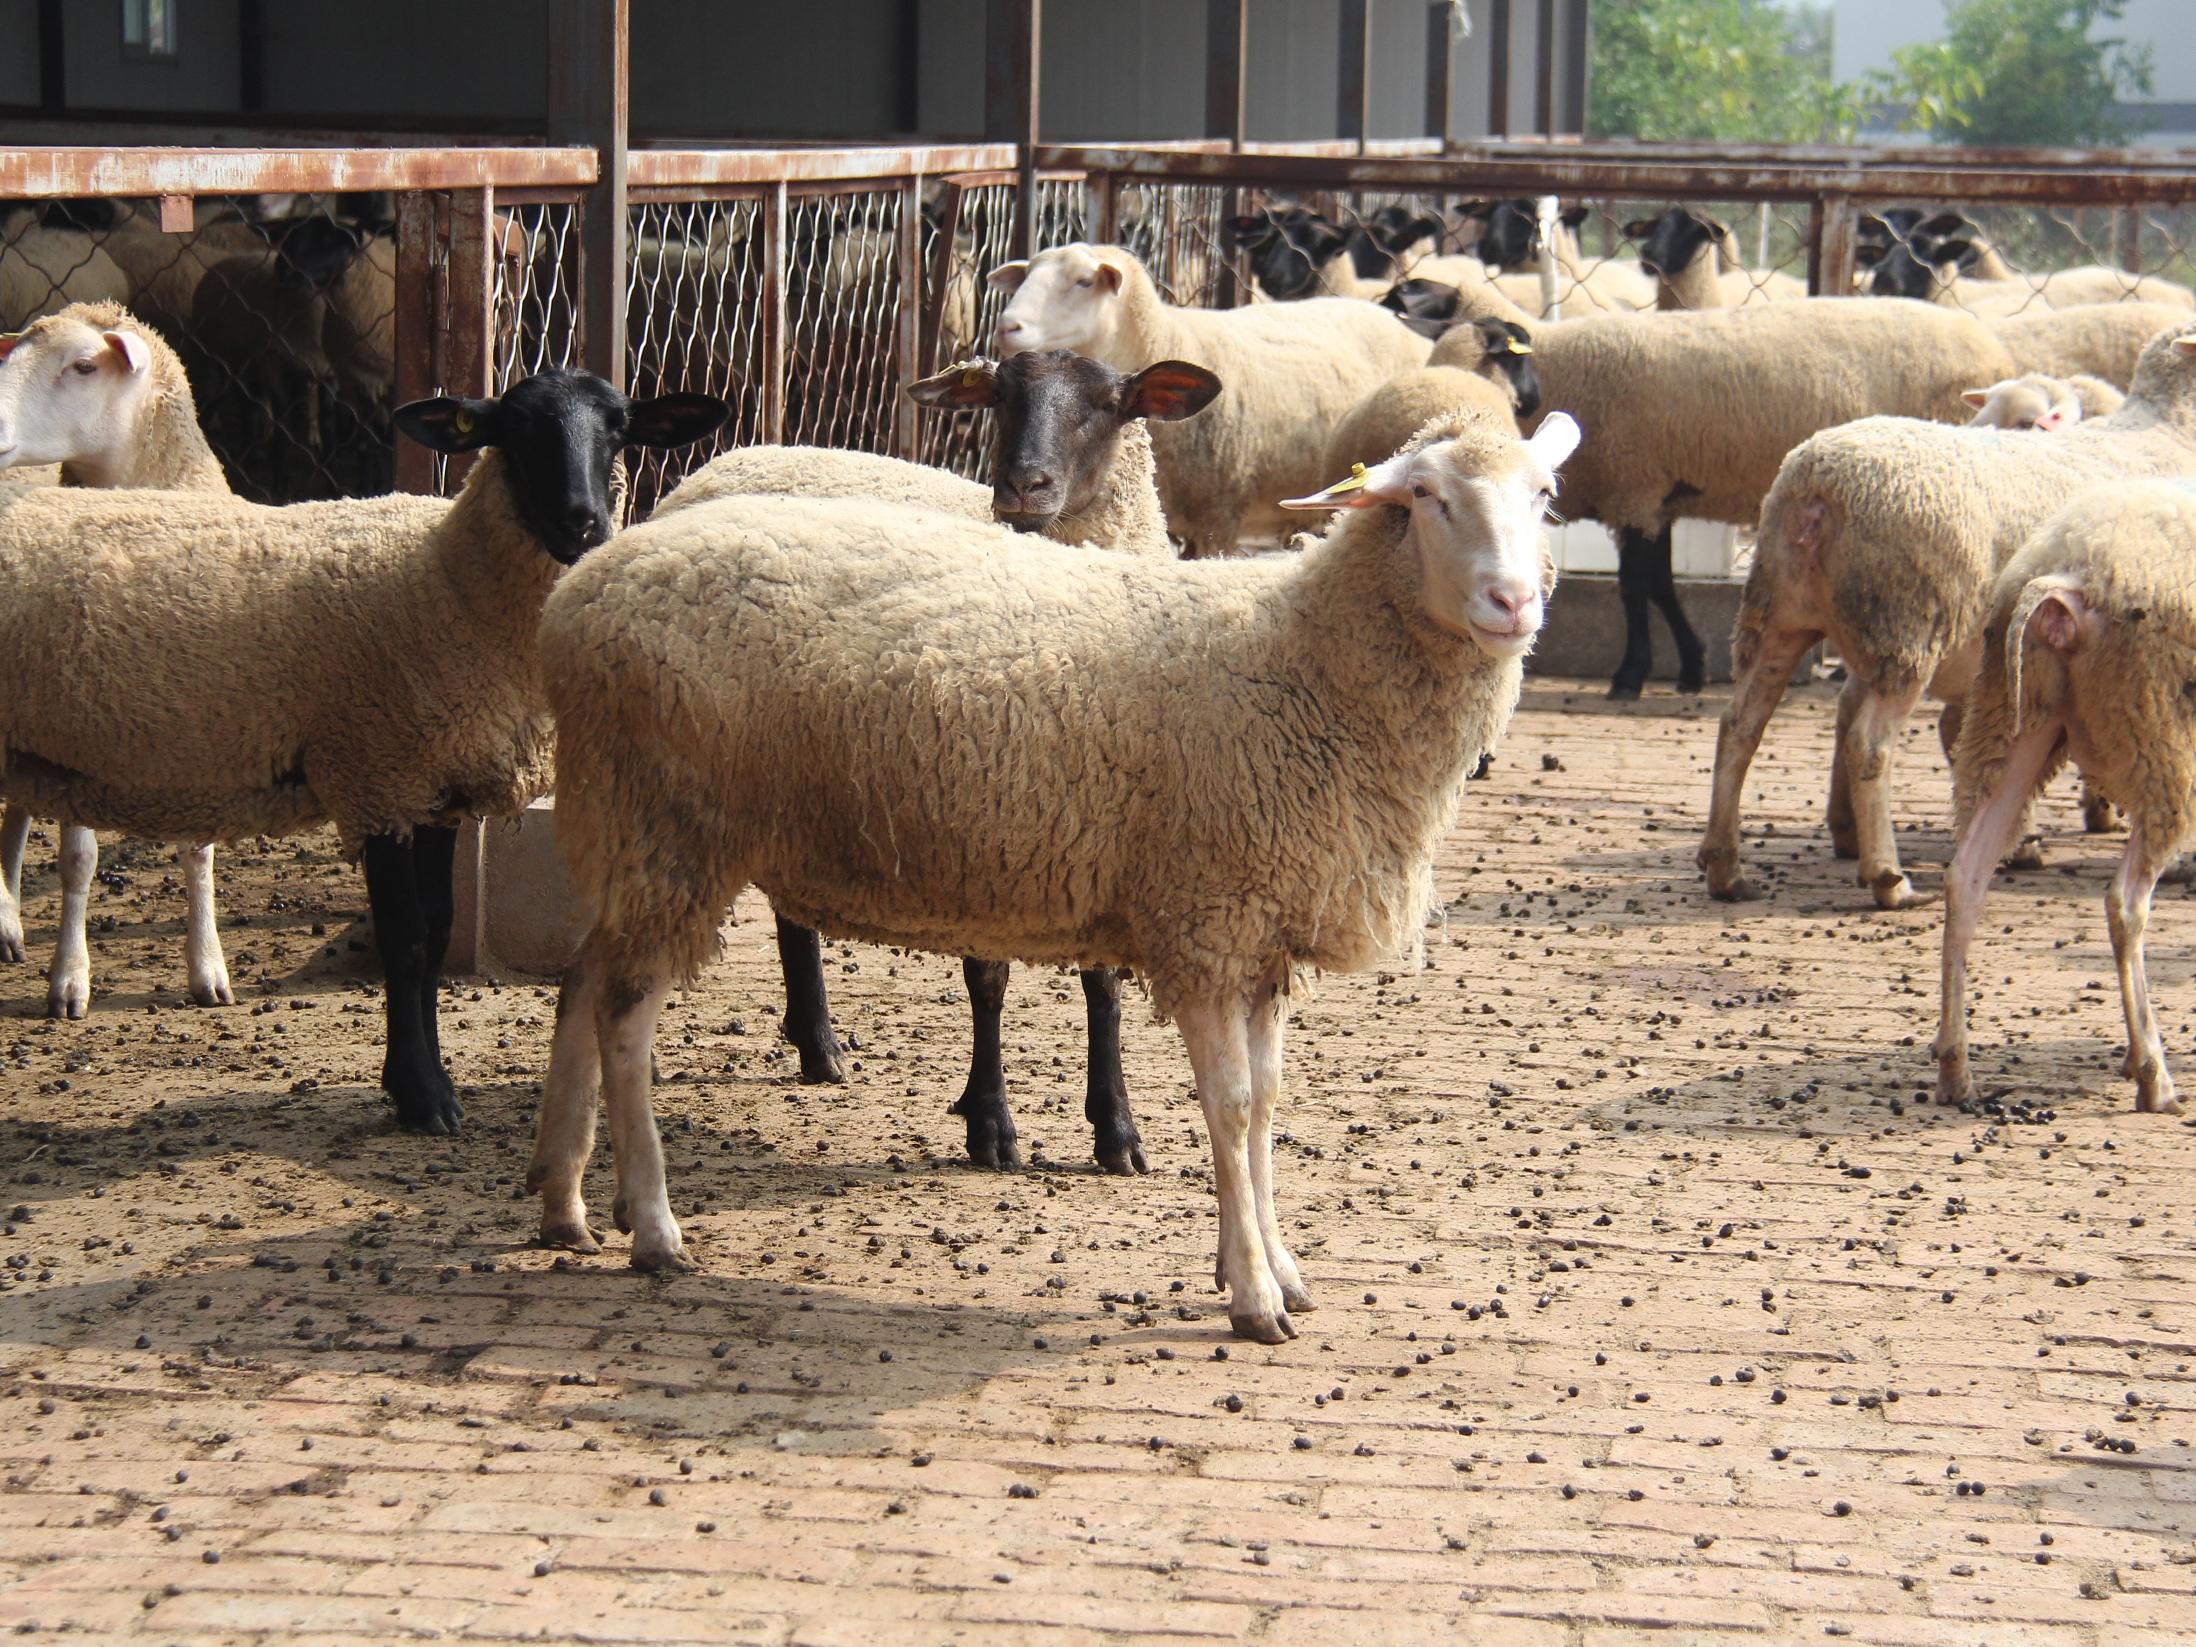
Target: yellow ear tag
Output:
[
  {"x": 971, "y": 376},
  {"x": 1517, "y": 348},
  {"x": 464, "y": 422},
  {"x": 1356, "y": 480}
]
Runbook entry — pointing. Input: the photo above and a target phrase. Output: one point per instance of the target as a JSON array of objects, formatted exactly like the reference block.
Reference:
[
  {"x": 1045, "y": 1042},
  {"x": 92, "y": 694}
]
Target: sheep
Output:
[
  {"x": 102, "y": 395},
  {"x": 1072, "y": 461},
  {"x": 1764, "y": 378},
  {"x": 2034, "y": 401},
  {"x": 855, "y": 706},
  {"x": 1295, "y": 253},
  {"x": 1945, "y": 259},
  {"x": 2100, "y": 340},
  {"x": 1383, "y": 423},
  {"x": 2085, "y": 658},
  {"x": 1292, "y": 369},
  {"x": 1513, "y": 233},
  {"x": 375, "y": 660},
  {"x": 1695, "y": 264},
  {"x": 42, "y": 268},
  {"x": 1886, "y": 536},
  {"x": 1431, "y": 307}
]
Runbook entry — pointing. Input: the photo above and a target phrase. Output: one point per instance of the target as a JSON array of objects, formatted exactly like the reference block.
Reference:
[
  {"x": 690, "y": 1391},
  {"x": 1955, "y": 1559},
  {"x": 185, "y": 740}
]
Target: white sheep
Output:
[
  {"x": 1512, "y": 236},
  {"x": 2100, "y": 340},
  {"x": 2085, "y": 659},
  {"x": 1383, "y": 423},
  {"x": 1694, "y": 261},
  {"x": 1885, "y": 536},
  {"x": 2035, "y": 401},
  {"x": 927, "y": 732},
  {"x": 1292, "y": 371},
  {"x": 1759, "y": 380},
  {"x": 375, "y": 659},
  {"x": 43, "y": 269},
  {"x": 101, "y": 394}
]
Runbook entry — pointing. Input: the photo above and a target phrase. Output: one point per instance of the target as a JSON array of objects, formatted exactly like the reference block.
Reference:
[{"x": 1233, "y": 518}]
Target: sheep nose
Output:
[{"x": 1516, "y": 601}]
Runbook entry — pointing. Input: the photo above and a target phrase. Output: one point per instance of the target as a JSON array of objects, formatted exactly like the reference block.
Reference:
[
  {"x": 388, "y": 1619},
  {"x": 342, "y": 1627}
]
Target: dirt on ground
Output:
[{"x": 1653, "y": 1289}]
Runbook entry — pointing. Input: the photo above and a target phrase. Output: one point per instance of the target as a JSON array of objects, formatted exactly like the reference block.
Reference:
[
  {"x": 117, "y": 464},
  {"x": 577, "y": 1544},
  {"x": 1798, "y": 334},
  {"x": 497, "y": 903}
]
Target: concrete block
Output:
[
  {"x": 514, "y": 897},
  {"x": 1584, "y": 634}
]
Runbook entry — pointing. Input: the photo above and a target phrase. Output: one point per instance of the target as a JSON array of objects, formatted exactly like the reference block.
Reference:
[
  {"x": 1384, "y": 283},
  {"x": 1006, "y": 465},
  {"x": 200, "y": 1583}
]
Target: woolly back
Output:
[{"x": 2165, "y": 381}]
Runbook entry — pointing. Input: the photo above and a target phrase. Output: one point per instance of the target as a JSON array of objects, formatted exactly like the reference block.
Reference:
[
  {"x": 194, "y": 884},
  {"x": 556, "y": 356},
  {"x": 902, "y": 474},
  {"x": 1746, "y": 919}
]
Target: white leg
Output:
[
  {"x": 1982, "y": 843},
  {"x": 14, "y": 831},
  {"x": 1220, "y": 1056},
  {"x": 566, "y": 1130},
  {"x": 1268, "y": 1022},
  {"x": 625, "y": 1024},
  {"x": 1875, "y": 734},
  {"x": 68, "y": 986},
  {"x": 202, "y": 940},
  {"x": 2127, "y": 910}
]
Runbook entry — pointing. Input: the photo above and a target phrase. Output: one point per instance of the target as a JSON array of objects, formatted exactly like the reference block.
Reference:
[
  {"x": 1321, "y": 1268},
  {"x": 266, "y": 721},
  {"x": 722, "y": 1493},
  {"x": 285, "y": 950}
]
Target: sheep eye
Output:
[
  {"x": 84, "y": 368},
  {"x": 1089, "y": 280},
  {"x": 1420, "y": 491}
]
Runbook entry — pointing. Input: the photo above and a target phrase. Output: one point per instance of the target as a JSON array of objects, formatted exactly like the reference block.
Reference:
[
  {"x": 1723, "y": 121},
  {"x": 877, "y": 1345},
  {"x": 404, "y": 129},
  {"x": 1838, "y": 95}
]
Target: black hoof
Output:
[
  {"x": 821, "y": 1065},
  {"x": 1623, "y": 691},
  {"x": 992, "y": 1141},
  {"x": 426, "y": 1101},
  {"x": 1123, "y": 1160},
  {"x": 1692, "y": 681}
]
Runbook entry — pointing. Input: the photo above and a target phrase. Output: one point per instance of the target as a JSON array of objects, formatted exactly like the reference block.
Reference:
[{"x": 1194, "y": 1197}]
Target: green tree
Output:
[
  {"x": 1743, "y": 71},
  {"x": 2020, "y": 74}
]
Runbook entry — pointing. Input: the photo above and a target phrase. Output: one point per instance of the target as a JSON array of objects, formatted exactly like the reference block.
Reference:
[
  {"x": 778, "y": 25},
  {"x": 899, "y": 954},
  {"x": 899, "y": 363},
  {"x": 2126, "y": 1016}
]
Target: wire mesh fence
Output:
[
  {"x": 282, "y": 309},
  {"x": 534, "y": 306},
  {"x": 2000, "y": 262}
]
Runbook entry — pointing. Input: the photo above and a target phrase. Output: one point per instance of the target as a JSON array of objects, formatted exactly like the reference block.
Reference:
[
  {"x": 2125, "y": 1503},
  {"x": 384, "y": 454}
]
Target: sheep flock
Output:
[{"x": 1185, "y": 693}]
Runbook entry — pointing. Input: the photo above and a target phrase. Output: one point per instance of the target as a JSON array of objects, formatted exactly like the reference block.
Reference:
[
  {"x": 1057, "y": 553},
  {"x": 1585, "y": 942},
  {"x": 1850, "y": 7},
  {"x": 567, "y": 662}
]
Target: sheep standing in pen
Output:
[
  {"x": 1513, "y": 235},
  {"x": 1293, "y": 370},
  {"x": 1763, "y": 379},
  {"x": 1885, "y": 536},
  {"x": 1694, "y": 260},
  {"x": 1071, "y": 461},
  {"x": 375, "y": 658},
  {"x": 96, "y": 391},
  {"x": 2089, "y": 656},
  {"x": 2099, "y": 340},
  {"x": 1945, "y": 259},
  {"x": 1381, "y": 424},
  {"x": 917, "y": 730}
]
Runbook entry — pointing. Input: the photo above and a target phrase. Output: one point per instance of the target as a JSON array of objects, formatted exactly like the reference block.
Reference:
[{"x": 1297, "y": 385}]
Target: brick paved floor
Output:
[{"x": 1652, "y": 1293}]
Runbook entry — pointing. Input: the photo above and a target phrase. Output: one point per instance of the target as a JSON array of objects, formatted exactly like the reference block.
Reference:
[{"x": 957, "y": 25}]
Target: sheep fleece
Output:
[
  {"x": 931, "y": 733},
  {"x": 197, "y": 668}
]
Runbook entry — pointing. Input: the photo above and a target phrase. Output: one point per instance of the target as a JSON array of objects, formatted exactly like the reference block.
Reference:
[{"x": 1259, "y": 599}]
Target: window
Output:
[{"x": 148, "y": 30}]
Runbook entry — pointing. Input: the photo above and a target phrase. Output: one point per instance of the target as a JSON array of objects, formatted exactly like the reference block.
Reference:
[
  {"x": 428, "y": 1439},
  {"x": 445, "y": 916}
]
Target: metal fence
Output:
[{"x": 310, "y": 290}]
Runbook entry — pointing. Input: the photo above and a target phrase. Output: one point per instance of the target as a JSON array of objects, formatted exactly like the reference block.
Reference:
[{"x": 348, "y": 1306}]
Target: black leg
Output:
[
  {"x": 433, "y": 850},
  {"x": 807, "y": 1009},
  {"x": 1113, "y": 1136},
  {"x": 410, "y": 1073},
  {"x": 1635, "y": 587},
  {"x": 1692, "y": 656},
  {"x": 983, "y": 1103}
]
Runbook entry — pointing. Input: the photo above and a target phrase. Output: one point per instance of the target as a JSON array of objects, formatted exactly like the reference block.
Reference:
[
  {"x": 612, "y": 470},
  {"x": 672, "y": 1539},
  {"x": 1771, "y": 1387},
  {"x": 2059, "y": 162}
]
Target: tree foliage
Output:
[{"x": 2014, "y": 73}]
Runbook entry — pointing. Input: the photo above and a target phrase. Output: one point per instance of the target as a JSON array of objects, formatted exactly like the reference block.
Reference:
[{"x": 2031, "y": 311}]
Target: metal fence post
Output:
[
  {"x": 1353, "y": 77},
  {"x": 588, "y": 59},
  {"x": 1831, "y": 221},
  {"x": 908, "y": 329},
  {"x": 1498, "y": 68},
  {"x": 1227, "y": 36},
  {"x": 773, "y": 319},
  {"x": 1440, "y": 71},
  {"x": 1013, "y": 38}
]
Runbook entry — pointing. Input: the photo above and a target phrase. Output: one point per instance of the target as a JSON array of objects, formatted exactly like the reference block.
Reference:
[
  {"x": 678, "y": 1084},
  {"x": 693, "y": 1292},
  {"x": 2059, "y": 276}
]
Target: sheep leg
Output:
[
  {"x": 1635, "y": 588},
  {"x": 1844, "y": 833},
  {"x": 1692, "y": 656},
  {"x": 2027, "y": 850},
  {"x": 14, "y": 836},
  {"x": 1269, "y": 1022},
  {"x": 565, "y": 1134},
  {"x": 426, "y": 1099},
  {"x": 983, "y": 1102},
  {"x": 1989, "y": 828},
  {"x": 2127, "y": 911},
  {"x": 2099, "y": 817},
  {"x": 625, "y": 1027},
  {"x": 209, "y": 969},
  {"x": 434, "y": 856},
  {"x": 68, "y": 985},
  {"x": 1760, "y": 690},
  {"x": 1875, "y": 733},
  {"x": 1114, "y": 1138},
  {"x": 1220, "y": 1058},
  {"x": 807, "y": 1021}
]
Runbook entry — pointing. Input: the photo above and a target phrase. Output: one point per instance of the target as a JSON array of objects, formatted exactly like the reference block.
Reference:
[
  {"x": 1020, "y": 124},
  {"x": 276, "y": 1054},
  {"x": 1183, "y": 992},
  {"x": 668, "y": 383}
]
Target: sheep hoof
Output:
[
  {"x": 572, "y": 1235},
  {"x": 1955, "y": 1085},
  {"x": 1894, "y": 891},
  {"x": 1737, "y": 890},
  {"x": 1262, "y": 1328},
  {"x": 991, "y": 1137},
  {"x": 1124, "y": 1160},
  {"x": 822, "y": 1067},
  {"x": 2028, "y": 855},
  {"x": 426, "y": 1104},
  {"x": 1844, "y": 840},
  {"x": 2099, "y": 817},
  {"x": 662, "y": 1258},
  {"x": 1297, "y": 1297},
  {"x": 69, "y": 996},
  {"x": 1692, "y": 679},
  {"x": 11, "y": 942},
  {"x": 2154, "y": 1093},
  {"x": 1624, "y": 691},
  {"x": 213, "y": 992}
]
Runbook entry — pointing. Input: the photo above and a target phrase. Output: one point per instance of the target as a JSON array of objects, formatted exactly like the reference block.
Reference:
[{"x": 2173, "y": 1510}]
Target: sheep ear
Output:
[
  {"x": 1976, "y": 397},
  {"x": 1169, "y": 391},
  {"x": 971, "y": 383},
  {"x": 131, "y": 348},
  {"x": 2181, "y": 345},
  {"x": 1639, "y": 228},
  {"x": 1108, "y": 276},
  {"x": 1868, "y": 254},
  {"x": 1943, "y": 223},
  {"x": 1361, "y": 488},
  {"x": 1008, "y": 276},
  {"x": 449, "y": 424},
  {"x": 1571, "y": 216},
  {"x": 1555, "y": 440},
  {"x": 674, "y": 420},
  {"x": 2063, "y": 620},
  {"x": 8, "y": 341}
]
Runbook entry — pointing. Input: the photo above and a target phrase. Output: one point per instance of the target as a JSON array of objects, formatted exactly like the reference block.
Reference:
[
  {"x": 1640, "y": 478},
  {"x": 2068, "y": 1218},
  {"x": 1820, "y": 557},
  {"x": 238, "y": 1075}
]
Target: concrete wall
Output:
[{"x": 203, "y": 77}]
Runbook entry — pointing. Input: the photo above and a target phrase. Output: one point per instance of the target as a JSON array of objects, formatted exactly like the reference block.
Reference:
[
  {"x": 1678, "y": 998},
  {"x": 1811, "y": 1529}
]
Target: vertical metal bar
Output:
[
  {"x": 1498, "y": 68},
  {"x": 942, "y": 270},
  {"x": 1578, "y": 57},
  {"x": 1227, "y": 25},
  {"x": 1440, "y": 71},
  {"x": 1814, "y": 248},
  {"x": 589, "y": 52},
  {"x": 773, "y": 319},
  {"x": 1101, "y": 210},
  {"x": 418, "y": 319},
  {"x": 1544, "y": 69},
  {"x": 1831, "y": 274},
  {"x": 1012, "y": 38},
  {"x": 1353, "y": 76},
  {"x": 2127, "y": 235},
  {"x": 908, "y": 330}
]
